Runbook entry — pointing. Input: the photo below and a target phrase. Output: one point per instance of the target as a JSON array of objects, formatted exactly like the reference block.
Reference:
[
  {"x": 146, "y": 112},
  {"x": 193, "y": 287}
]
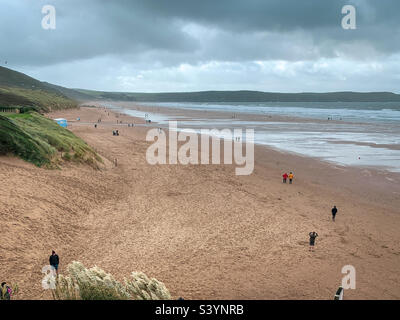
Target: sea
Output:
[{"x": 364, "y": 134}]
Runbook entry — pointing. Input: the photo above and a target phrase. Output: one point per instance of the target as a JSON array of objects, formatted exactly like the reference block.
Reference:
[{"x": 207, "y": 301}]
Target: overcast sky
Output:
[{"x": 185, "y": 45}]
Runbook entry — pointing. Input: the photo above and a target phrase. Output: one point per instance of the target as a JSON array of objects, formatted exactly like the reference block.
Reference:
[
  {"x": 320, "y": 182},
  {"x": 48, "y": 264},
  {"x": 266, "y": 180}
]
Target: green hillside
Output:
[
  {"x": 32, "y": 136},
  {"x": 11, "y": 78},
  {"x": 43, "y": 100},
  {"x": 71, "y": 93},
  {"x": 25, "y": 90},
  {"x": 18, "y": 89}
]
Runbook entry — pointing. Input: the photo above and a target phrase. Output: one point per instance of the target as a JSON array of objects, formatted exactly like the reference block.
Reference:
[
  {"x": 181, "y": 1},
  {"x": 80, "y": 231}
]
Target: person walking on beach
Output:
[
  {"x": 334, "y": 211},
  {"x": 291, "y": 177},
  {"x": 284, "y": 176},
  {"x": 54, "y": 261},
  {"x": 313, "y": 235},
  {"x": 5, "y": 292}
]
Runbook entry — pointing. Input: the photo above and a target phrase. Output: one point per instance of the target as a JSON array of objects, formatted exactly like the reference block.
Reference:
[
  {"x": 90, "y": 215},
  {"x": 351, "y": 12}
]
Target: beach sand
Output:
[{"x": 203, "y": 231}]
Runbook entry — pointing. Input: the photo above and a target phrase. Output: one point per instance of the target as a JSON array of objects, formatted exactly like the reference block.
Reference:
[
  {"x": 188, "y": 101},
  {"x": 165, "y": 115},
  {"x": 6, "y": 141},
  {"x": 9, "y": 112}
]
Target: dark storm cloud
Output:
[
  {"x": 244, "y": 30},
  {"x": 85, "y": 29},
  {"x": 208, "y": 44}
]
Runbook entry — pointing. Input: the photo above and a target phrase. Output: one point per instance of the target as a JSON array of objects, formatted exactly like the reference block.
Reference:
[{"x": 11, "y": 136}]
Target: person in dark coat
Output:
[
  {"x": 313, "y": 235},
  {"x": 54, "y": 260},
  {"x": 334, "y": 211}
]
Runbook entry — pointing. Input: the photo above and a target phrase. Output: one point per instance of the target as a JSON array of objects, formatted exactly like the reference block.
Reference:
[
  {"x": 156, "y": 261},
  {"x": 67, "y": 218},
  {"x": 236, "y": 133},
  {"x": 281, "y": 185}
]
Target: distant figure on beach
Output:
[
  {"x": 313, "y": 235},
  {"x": 334, "y": 211},
  {"x": 54, "y": 261},
  {"x": 284, "y": 176},
  {"x": 95, "y": 125},
  {"x": 116, "y": 132},
  {"x": 115, "y": 162},
  {"x": 291, "y": 177},
  {"x": 5, "y": 292}
]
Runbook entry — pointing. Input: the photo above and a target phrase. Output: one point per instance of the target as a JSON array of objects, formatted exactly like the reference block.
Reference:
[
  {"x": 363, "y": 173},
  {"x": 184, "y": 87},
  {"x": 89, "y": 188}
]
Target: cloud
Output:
[{"x": 186, "y": 44}]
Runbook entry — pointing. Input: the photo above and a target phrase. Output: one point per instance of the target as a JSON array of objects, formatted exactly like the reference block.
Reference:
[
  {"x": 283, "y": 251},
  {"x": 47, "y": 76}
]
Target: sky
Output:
[{"x": 185, "y": 45}]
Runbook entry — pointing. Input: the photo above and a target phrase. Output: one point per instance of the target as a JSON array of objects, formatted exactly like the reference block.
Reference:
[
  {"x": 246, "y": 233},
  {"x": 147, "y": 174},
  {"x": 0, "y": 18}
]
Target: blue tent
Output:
[{"x": 62, "y": 122}]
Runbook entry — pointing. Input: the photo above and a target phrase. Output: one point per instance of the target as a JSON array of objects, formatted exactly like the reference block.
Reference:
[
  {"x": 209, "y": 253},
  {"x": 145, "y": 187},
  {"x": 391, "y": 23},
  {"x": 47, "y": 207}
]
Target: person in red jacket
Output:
[{"x": 285, "y": 176}]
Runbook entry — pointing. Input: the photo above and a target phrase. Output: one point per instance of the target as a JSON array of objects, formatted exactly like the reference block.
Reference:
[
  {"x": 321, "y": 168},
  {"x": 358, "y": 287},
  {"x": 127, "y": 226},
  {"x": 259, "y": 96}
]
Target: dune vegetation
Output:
[
  {"x": 42, "y": 141},
  {"x": 95, "y": 284}
]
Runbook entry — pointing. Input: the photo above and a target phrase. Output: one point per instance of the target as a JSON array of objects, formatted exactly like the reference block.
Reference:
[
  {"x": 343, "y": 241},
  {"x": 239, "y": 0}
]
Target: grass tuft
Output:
[{"x": 95, "y": 284}]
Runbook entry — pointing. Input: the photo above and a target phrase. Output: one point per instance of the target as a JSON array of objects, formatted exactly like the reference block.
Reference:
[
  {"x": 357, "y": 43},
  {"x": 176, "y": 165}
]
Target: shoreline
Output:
[
  {"x": 192, "y": 114},
  {"x": 374, "y": 179},
  {"x": 204, "y": 232}
]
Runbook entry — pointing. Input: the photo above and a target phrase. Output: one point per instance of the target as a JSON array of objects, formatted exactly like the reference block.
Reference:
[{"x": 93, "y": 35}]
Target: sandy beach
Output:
[{"x": 203, "y": 231}]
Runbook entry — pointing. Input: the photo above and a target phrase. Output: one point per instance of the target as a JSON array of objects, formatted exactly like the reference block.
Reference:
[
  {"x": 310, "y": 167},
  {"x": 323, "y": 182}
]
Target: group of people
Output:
[
  {"x": 313, "y": 235},
  {"x": 115, "y": 133},
  {"x": 5, "y": 290},
  {"x": 289, "y": 176}
]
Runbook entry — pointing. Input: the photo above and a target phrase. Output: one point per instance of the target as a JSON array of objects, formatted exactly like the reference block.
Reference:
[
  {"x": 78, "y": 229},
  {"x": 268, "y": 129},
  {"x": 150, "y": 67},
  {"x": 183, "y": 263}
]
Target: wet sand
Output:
[{"x": 202, "y": 230}]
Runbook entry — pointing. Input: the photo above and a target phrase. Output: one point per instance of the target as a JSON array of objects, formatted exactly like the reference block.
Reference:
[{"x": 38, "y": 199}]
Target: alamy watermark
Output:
[
  {"x": 349, "y": 20},
  {"x": 49, "y": 279},
  {"x": 349, "y": 280},
  {"x": 49, "y": 20},
  {"x": 188, "y": 153}
]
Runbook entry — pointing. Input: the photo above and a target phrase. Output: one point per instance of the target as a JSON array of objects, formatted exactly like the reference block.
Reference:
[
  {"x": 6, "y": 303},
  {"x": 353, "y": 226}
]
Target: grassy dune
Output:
[
  {"x": 31, "y": 136},
  {"x": 42, "y": 141}
]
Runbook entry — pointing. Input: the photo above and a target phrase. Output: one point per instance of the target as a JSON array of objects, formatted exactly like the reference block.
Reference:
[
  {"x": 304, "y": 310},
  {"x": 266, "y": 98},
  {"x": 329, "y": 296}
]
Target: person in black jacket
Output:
[
  {"x": 54, "y": 260},
  {"x": 313, "y": 235},
  {"x": 334, "y": 211}
]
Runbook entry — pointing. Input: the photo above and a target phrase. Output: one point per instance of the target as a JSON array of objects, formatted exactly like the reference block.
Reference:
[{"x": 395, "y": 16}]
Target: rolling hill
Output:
[
  {"x": 32, "y": 136},
  {"x": 18, "y": 89},
  {"x": 244, "y": 96}
]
